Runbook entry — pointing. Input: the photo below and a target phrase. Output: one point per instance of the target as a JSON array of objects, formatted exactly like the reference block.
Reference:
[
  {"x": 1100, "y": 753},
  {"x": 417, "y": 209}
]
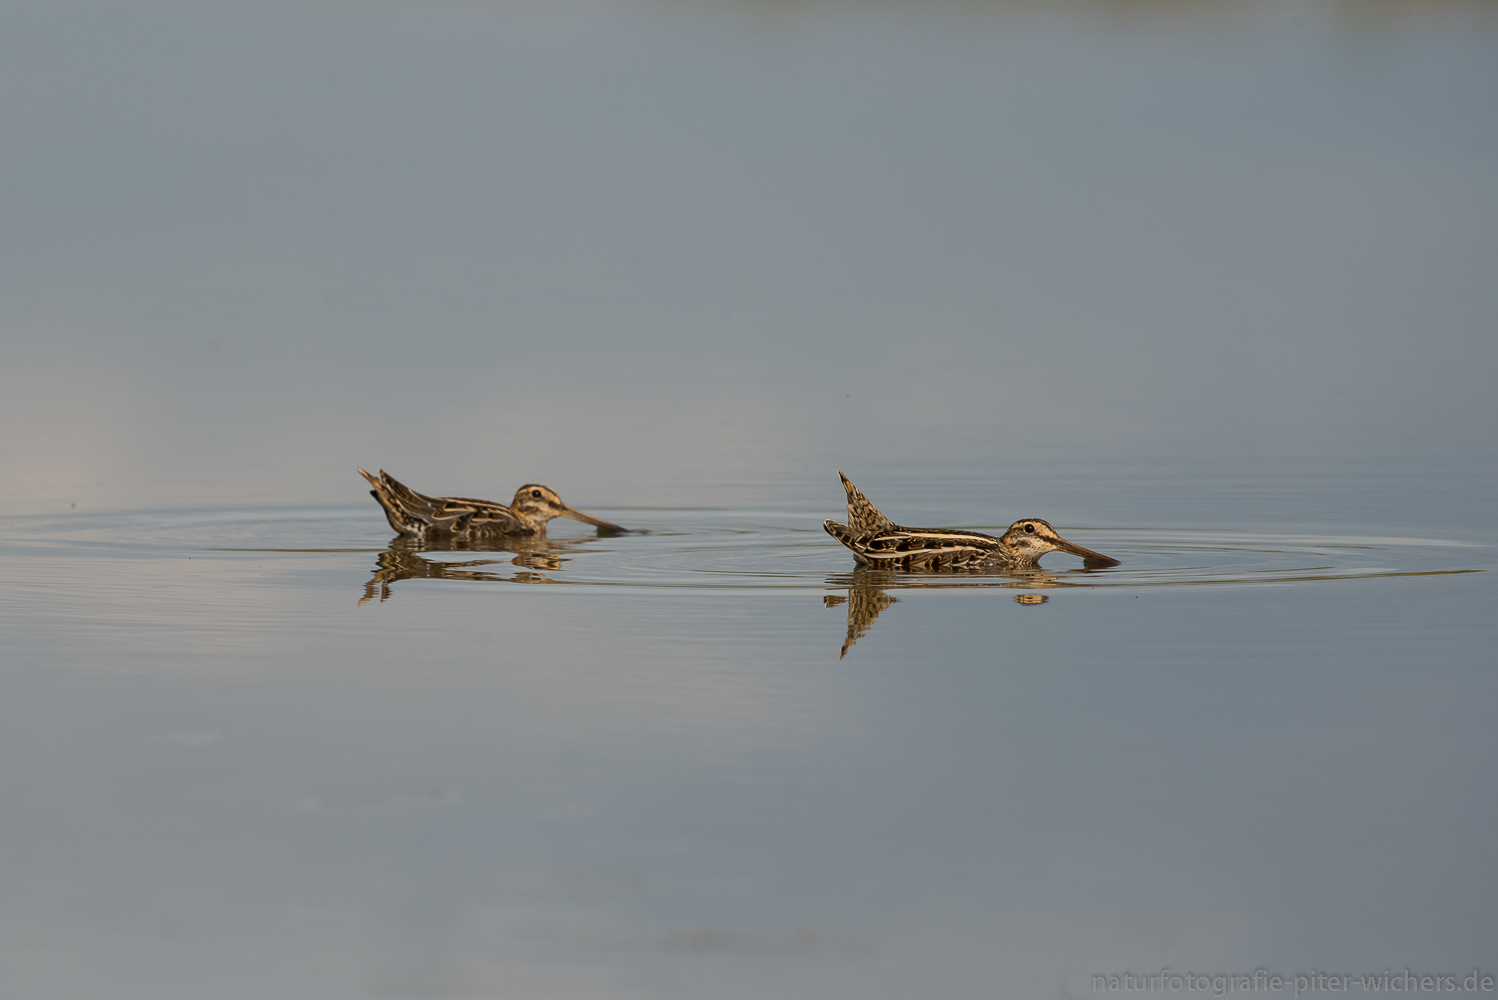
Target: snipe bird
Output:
[
  {"x": 412, "y": 513},
  {"x": 875, "y": 540}
]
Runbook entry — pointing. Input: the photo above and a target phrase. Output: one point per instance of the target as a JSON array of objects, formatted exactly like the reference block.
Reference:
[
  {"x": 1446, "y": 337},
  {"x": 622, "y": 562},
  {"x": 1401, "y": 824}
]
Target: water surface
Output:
[{"x": 1209, "y": 291}]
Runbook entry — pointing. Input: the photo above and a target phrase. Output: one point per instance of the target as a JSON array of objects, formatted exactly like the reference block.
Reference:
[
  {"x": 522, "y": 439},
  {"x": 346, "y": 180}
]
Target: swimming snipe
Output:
[
  {"x": 875, "y": 540},
  {"x": 412, "y": 513}
]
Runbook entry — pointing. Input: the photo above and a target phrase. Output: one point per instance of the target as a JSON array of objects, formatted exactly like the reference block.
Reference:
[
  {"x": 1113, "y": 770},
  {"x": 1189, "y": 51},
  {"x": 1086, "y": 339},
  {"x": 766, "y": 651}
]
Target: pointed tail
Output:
[
  {"x": 863, "y": 517},
  {"x": 405, "y": 509},
  {"x": 853, "y": 540}
]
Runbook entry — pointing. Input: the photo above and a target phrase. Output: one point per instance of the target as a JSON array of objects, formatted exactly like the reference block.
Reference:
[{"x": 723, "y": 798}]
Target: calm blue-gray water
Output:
[{"x": 1212, "y": 288}]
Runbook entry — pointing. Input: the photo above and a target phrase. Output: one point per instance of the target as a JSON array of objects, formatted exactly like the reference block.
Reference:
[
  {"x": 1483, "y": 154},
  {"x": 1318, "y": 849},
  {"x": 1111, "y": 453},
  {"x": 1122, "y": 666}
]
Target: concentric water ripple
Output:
[{"x": 717, "y": 548}]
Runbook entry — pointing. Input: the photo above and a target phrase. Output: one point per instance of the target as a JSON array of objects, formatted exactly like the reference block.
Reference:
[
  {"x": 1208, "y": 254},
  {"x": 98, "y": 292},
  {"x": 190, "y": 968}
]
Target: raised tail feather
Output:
[
  {"x": 863, "y": 517},
  {"x": 408, "y": 512}
]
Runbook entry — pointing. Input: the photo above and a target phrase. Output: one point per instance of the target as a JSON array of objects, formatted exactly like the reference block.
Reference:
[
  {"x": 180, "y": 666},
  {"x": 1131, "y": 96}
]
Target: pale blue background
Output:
[{"x": 1211, "y": 287}]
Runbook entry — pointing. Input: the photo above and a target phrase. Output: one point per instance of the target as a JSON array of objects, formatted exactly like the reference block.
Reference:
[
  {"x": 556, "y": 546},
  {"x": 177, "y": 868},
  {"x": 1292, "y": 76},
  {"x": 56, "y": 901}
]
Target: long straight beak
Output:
[
  {"x": 597, "y": 522},
  {"x": 1089, "y": 557}
]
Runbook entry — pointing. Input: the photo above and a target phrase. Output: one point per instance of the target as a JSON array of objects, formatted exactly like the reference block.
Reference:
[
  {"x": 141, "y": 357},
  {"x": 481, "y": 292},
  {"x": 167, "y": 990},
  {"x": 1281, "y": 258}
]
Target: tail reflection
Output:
[
  {"x": 867, "y": 599},
  {"x": 401, "y": 561}
]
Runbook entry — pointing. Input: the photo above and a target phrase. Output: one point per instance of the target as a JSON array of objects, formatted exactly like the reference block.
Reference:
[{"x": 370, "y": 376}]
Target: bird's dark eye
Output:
[
  {"x": 536, "y": 494},
  {"x": 1029, "y": 529}
]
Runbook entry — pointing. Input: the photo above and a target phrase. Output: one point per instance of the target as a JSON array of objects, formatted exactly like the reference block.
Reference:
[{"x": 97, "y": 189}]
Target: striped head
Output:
[
  {"x": 535, "y": 504},
  {"x": 1031, "y": 538}
]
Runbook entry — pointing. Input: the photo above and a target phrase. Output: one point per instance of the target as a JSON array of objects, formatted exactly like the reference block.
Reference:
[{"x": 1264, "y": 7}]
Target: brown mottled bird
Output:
[
  {"x": 875, "y": 540},
  {"x": 412, "y": 513}
]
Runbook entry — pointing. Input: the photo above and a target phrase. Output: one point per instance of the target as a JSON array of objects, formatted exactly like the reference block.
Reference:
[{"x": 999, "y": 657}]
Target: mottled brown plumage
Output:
[
  {"x": 863, "y": 517},
  {"x": 421, "y": 516},
  {"x": 875, "y": 540}
]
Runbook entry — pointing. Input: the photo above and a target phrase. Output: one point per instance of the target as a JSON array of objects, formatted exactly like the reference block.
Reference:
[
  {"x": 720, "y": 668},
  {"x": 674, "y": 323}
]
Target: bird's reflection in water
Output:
[
  {"x": 867, "y": 586},
  {"x": 403, "y": 561}
]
